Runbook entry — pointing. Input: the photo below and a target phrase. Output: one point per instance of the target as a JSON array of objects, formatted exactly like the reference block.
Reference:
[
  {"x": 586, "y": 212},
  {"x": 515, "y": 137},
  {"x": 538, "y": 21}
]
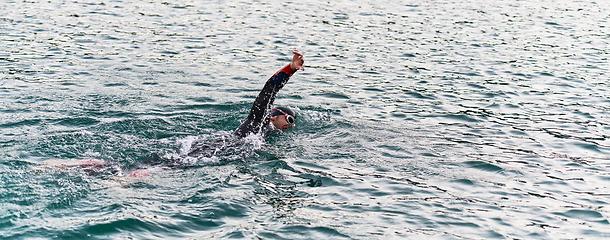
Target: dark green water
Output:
[{"x": 416, "y": 119}]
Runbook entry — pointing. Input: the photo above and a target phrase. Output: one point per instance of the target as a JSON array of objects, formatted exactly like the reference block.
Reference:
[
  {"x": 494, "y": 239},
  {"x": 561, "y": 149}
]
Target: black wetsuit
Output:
[{"x": 258, "y": 119}]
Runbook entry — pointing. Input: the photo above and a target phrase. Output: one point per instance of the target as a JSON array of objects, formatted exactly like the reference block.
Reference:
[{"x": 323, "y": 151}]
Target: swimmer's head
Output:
[{"x": 282, "y": 118}]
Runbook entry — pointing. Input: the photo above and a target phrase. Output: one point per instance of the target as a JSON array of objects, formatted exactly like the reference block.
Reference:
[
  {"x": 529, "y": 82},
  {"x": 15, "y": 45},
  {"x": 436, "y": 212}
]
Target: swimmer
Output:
[{"x": 262, "y": 120}]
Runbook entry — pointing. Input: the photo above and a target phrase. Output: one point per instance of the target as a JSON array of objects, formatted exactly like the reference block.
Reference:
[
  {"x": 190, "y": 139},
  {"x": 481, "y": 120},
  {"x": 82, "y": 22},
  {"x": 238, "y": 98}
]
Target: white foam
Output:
[
  {"x": 91, "y": 153},
  {"x": 224, "y": 142},
  {"x": 254, "y": 141},
  {"x": 186, "y": 144},
  {"x": 310, "y": 116}
]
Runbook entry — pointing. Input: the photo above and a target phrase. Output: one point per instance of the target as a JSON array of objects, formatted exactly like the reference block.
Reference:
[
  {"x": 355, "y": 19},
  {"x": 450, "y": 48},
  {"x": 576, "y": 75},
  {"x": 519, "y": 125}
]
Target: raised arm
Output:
[{"x": 259, "y": 114}]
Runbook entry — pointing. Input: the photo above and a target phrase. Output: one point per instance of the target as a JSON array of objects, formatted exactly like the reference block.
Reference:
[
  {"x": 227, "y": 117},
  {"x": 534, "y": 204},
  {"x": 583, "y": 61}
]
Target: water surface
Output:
[{"x": 436, "y": 119}]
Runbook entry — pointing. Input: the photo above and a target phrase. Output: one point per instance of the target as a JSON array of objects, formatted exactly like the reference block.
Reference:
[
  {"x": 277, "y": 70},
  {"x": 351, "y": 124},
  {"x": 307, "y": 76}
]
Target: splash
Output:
[{"x": 216, "y": 148}]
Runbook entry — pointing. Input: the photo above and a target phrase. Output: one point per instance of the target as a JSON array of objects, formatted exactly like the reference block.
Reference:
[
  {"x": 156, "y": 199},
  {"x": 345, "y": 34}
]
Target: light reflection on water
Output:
[{"x": 472, "y": 119}]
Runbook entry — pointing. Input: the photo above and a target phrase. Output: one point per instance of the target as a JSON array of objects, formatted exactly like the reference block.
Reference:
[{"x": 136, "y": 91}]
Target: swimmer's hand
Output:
[{"x": 297, "y": 61}]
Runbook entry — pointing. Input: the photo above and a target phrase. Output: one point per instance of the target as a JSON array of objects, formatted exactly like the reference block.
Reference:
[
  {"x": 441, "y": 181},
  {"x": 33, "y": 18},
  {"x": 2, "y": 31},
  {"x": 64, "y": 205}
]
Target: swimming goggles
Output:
[{"x": 289, "y": 118}]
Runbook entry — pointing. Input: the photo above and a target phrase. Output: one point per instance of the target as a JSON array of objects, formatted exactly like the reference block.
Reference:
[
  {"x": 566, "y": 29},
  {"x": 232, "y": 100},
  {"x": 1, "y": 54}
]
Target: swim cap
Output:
[{"x": 278, "y": 111}]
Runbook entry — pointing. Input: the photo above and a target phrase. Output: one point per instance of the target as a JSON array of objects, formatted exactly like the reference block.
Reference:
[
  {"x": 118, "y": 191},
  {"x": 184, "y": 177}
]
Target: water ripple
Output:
[{"x": 470, "y": 119}]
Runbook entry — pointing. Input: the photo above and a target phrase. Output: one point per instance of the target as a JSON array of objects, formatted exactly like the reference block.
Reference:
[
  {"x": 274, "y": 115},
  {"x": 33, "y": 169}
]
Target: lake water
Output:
[{"x": 415, "y": 119}]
